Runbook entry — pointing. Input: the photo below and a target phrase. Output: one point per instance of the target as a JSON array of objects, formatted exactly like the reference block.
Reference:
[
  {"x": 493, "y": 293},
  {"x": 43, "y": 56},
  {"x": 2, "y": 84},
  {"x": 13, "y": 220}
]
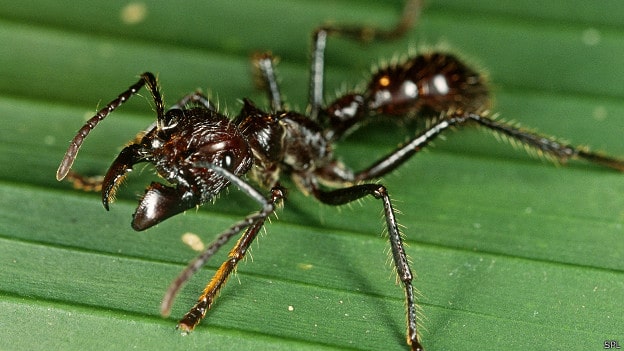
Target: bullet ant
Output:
[{"x": 199, "y": 151}]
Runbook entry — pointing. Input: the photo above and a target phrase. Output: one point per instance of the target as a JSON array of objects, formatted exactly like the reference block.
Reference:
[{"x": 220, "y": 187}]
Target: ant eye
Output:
[{"x": 171, "y": 119}]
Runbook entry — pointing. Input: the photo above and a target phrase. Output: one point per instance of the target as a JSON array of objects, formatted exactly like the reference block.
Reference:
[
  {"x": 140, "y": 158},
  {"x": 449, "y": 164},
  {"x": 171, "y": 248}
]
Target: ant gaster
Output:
[{"x": 199, "y": 151}]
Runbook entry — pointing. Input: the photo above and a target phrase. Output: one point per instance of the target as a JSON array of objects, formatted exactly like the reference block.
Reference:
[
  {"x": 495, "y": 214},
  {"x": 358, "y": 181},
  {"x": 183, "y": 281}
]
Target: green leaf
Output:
[{"x": 510, "y": 252}]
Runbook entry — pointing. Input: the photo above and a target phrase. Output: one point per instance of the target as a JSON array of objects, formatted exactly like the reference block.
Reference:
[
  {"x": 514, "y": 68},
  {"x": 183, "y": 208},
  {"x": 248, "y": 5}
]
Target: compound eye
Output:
[{"x": 171, "y": 119}]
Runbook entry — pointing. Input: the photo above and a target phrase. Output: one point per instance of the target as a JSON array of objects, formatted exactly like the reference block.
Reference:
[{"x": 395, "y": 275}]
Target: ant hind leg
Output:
[{"x": 409, "y": 17}]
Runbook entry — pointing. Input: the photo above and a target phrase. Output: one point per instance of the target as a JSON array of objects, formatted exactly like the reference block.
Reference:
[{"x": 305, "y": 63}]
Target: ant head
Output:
[{"x": 201, "y": 137}]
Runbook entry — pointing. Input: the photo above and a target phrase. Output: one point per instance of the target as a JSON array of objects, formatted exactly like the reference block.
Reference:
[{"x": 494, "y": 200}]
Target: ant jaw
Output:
[{"x": 159, "y": 203}]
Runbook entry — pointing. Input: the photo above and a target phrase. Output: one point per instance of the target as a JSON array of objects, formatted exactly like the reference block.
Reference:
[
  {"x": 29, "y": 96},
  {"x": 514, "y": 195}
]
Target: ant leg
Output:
[
  {"x": 190, "y": 320},
  {"x": 85, "y": 183},
  {"x": 343, "y": 196},
  {"x": 411, "y": 13},
  {"x": 146, "y": 79},
  {"x": 197, "y": 98},
  {"x": 548, "y": 146},
  {"x": 253, "y": 223},
  {"x": 264, "y": 63},
  {"x": 397, "y": 157}
]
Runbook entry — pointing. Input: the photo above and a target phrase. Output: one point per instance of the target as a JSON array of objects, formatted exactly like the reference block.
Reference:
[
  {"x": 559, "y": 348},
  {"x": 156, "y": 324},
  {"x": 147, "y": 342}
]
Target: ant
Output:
[{"x": 199, "y": 151}]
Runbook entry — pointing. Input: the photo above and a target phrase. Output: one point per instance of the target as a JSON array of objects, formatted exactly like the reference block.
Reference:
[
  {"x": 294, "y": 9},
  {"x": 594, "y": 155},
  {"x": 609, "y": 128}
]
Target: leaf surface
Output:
[{"x": 510, "y": 252}]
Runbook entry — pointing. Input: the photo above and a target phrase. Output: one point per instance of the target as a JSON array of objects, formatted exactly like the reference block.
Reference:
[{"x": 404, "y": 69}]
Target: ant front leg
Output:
[
  {"x": 343, "y": 196},
  {"x": 85, "y": 183},
  {"x": 411, "y": 12},
  {"x": 253, "y": 223}
]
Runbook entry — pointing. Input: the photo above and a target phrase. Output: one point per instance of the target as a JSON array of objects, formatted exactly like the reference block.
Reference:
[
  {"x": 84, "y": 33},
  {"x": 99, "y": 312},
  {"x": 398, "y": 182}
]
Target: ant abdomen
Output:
[
  {"x": 425, "y": 85},
  {"x": 434, "y": 81}
]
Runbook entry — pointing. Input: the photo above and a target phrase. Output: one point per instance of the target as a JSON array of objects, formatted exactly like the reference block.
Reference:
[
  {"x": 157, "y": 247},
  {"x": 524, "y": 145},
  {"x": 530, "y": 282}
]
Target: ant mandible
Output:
[{"x": 199, "y": 151}]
